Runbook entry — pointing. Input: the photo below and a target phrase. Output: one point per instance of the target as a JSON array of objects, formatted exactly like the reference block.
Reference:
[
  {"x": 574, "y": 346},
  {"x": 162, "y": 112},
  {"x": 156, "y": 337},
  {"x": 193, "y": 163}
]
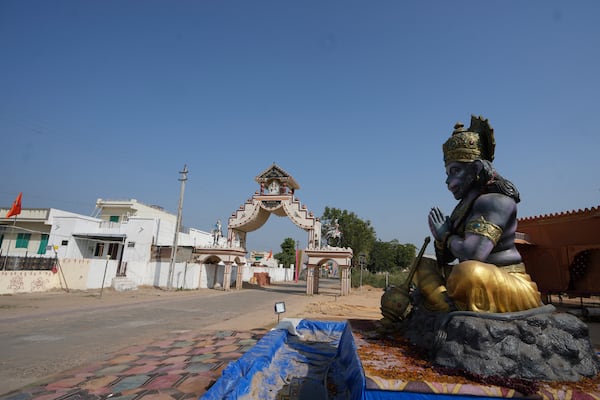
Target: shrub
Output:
[{"x": 377, "y": 279}]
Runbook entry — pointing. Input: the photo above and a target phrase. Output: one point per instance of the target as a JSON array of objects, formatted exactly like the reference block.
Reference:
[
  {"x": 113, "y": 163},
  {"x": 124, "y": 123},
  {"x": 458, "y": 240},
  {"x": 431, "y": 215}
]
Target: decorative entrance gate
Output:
[
  {"x": 317, "y": 257},
  {"x": 276, "y": 195}
]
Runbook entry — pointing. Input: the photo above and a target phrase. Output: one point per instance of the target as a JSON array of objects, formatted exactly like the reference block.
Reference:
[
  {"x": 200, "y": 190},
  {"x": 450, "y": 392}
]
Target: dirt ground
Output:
[
  {"x": 361, "y": 303},
  {"x": 37, "y": 303}
]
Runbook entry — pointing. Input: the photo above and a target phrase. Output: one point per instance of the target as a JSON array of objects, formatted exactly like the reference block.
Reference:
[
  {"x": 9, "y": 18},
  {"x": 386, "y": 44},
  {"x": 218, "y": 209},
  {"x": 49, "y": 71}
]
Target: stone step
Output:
[{"x": 122, "y": 284}]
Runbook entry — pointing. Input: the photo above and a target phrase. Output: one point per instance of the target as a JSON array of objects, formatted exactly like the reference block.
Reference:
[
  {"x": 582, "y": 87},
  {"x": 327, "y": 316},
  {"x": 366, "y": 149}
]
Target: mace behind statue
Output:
[{"x": 474, "y": 306}]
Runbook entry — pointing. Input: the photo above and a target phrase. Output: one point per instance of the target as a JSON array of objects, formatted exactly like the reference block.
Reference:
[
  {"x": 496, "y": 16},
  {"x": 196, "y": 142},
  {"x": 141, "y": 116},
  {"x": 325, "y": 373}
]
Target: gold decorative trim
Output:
[
  {"x": 475, "y": 143},
  {"x": 480, "y": 226},
  {"x": 462, "y": 147},
  {"x": 514, "y": 268}
]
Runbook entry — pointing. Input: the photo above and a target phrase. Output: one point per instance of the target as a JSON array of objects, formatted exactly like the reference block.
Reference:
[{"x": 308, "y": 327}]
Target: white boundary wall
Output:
[
  {"x": 207, "y": 274},
  {"x": 185, "y": 275},
  {"x": 12, "y": 282},
  {"x": 83, "y": 274},
  {"x": 277, "y": 274}
]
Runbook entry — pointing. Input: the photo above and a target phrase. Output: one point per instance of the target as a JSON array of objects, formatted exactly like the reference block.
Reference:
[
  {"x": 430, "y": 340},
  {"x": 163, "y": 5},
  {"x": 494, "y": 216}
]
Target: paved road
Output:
[{"x": 35, "y": 346}]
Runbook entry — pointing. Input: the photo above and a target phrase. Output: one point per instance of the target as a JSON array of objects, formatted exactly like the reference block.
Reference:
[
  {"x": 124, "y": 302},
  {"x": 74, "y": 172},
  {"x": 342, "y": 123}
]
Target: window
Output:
[
  {"x": 113, "y": 250},
  {"x": 64, "y": 242},
  {"x": 43, "y": 244},
  {"x": 114, "y": 218},
  {"x": 129, "y": 244},
  {"x": 23, "y": 240},
  {"x": 99, "y": 250}
]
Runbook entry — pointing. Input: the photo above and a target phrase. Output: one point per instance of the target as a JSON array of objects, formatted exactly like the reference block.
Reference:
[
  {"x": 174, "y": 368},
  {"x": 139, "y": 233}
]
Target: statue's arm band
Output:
[{"x": 480, "y": 226}]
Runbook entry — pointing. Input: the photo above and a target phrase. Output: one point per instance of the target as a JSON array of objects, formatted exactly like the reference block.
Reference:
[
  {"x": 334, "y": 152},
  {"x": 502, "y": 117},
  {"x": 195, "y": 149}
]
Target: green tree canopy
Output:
[
  {"x": 357, "y": 234},
  {"x": 391, "y": 256},
  {"x": 288, "y": 252},
  {"x": 360, "y": 236}
]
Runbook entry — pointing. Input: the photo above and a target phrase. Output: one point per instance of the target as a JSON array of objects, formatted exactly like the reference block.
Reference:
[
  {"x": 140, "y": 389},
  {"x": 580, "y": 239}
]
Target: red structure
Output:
[{"x": 562, "y": 251}]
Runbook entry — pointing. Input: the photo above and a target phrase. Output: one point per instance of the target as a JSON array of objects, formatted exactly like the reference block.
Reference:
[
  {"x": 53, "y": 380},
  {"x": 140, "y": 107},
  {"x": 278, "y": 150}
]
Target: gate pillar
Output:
[
  {"x": 346, "y": 280},
  {"x": 227, "y": 276},
  {"x": 240, "y": 275},
  {"x": 312, "y": 279}
]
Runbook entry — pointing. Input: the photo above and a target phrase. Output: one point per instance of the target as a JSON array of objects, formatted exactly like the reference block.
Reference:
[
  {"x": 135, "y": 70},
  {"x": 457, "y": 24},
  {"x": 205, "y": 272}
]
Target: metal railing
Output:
[
  {"x": 522, "y": 236},
  {"x": 25, "y": 263}
]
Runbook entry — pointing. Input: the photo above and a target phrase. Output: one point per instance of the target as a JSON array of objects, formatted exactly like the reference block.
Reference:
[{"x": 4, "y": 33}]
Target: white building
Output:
[
  {"x": 124, "y": 243},
  {"x": 263, "y": 258}
]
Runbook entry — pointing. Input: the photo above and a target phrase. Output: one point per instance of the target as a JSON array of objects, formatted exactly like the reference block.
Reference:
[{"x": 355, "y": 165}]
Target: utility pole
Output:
[
  {"x": 296, "y": 267},
  {"x": 362, "y": 260},
  {"x": 177, "y": 227}
]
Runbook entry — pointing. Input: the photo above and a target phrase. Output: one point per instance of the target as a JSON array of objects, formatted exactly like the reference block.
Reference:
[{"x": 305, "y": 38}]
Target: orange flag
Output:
[
  {"x": 16, "y": 207},
  {"x": 270, "y": 254}
]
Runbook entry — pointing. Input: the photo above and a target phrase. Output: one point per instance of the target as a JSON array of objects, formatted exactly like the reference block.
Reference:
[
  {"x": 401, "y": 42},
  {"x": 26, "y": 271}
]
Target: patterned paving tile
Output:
[
  {"x": 199, "y": 367},
  {"x": 99, "y": 385},
  {"x": 204, "y": 350},
  {"x": 171, "y": 368},
  {"x": 163, "y": 381},
  {"x": 123, "y": 359},
  {"x": 202, "y": 357},
  {"x": 177, "y": 352},
  {"x": 182, "y": 367},
  {"x": 66, "y": 383},
  {"x": 112, "y": 369},
  {"x": 195, "y": 384},
  {"x": 232, "y": 356},
  {"x": 130, "y": 382},
  {"x": 140, "y": 369},
  {"x": 183, "y": 343}
]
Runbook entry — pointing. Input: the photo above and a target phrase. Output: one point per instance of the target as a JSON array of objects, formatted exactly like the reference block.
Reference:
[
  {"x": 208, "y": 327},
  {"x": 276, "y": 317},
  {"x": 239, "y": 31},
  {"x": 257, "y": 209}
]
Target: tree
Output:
[
  {"x": 405, "y": 254},
  {"x": 288, "y": 252},
  {"x": 388, "y": 256},
  {"x": 382, "y": 257},
  {"x": 357, "y": 234},
  {"x": 360, "y": 236}
]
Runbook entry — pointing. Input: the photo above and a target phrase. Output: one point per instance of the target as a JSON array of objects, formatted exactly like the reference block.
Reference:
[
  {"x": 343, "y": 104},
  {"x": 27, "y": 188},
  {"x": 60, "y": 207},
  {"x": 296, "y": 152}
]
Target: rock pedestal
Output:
[{"x": 537, "y": 344}]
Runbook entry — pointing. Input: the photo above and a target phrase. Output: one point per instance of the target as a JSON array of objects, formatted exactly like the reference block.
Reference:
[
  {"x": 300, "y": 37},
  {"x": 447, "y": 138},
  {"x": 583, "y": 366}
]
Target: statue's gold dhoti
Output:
[{"x": 477, "y": 286}]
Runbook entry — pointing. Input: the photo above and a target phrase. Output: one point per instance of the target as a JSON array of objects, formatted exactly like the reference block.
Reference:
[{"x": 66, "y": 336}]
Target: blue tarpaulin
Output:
[
  {"x": 323, "y": 356},
  {"x": 321, "y": 360}
]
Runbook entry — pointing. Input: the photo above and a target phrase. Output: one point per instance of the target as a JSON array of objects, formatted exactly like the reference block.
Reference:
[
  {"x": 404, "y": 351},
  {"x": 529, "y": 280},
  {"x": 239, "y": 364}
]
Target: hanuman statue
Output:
[{"x": 490, "y": 275}]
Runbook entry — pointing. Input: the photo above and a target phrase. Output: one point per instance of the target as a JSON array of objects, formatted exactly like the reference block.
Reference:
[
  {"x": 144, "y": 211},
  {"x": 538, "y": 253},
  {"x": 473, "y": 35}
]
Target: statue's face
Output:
[{"x": 460, "y": 178}]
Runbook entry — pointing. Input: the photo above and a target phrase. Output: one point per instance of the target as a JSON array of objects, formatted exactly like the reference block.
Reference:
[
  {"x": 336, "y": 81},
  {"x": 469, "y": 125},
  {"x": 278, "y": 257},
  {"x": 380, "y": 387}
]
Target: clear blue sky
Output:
[{"x": 109, "y": 99}]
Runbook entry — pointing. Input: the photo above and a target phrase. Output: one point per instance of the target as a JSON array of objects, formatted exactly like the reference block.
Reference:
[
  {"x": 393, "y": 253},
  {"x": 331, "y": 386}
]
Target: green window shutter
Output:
[
  {"x": 114, "y": 218},
  {"x": 23, "y": 240},
  {"x": 43, "y": 244}
]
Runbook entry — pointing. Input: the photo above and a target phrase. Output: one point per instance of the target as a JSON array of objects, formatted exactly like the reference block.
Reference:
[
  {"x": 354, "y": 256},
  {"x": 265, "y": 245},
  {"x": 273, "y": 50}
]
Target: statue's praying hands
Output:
[{"x": 438, "y": 224}]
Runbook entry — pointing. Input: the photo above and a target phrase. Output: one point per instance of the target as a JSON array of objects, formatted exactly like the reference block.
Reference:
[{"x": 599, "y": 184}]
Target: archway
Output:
[
  {"x": 277, "y": 195},
  {"x": 218, "y": 263},
  {"x": 319, "y": 256}
]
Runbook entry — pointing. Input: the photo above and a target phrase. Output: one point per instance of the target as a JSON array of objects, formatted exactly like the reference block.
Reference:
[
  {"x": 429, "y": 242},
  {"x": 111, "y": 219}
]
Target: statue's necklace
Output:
[{"x": 460, "y": 211}]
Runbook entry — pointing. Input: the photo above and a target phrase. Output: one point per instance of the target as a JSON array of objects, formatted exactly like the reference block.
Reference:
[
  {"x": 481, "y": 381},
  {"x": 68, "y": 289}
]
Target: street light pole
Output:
[
  {"x": 361, "y": 262},
  {"x": 177, "y": 227},
  {"x": 297, "y": 267},
  {"x": 104, "y": 277}
]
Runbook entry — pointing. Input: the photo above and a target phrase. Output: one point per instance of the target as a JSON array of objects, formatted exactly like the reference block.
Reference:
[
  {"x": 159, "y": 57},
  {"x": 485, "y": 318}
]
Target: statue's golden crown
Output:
[{"x": 475, "y": 143}]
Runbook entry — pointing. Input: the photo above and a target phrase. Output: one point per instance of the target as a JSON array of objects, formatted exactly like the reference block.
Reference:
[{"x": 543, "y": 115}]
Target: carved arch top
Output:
[{"x": 276, "y": 195}]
